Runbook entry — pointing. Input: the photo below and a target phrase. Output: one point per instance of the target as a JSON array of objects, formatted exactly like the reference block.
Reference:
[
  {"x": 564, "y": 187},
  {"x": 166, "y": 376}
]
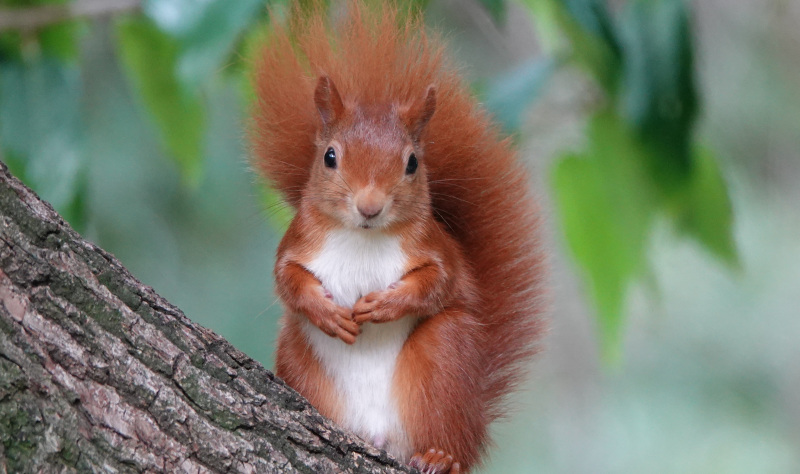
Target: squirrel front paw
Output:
[
  {"x": 435, "y": 462},
  {"x": 378, "y": 307},
  {"x": 332, "y": 319}
]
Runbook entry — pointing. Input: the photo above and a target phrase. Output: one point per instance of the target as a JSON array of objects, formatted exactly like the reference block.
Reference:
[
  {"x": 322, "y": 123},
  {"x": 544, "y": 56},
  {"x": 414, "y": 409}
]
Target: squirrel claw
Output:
[
  {"x": 347, "y": 330},
  {"x": 435, "y": 462}
]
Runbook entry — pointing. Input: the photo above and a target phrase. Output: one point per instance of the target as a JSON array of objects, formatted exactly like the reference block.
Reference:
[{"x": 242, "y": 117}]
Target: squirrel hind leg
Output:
[
  {"x": 435, "y": 461},
  {"x": 437, "y": 384}
]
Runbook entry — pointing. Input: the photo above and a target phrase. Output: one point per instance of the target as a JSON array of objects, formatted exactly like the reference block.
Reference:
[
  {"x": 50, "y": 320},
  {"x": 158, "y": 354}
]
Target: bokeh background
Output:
[{"x": 662, "y": 138}]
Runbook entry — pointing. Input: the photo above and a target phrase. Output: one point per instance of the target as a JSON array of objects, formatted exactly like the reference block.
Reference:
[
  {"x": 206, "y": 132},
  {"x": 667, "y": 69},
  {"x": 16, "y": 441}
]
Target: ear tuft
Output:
[
  {"x": 420, "y": 113},
  {"x": 328, "y": 101}
]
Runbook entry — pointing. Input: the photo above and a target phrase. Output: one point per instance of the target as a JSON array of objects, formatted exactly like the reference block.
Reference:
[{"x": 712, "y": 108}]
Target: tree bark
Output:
[{"x": 100, "y": 374}]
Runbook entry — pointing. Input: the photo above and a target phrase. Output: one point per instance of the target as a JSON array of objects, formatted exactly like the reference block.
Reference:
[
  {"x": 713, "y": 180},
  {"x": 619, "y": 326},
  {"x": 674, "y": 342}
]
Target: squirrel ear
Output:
[
  {"x": 328, "y": 101},
  {"x": 420, "y": 113}
]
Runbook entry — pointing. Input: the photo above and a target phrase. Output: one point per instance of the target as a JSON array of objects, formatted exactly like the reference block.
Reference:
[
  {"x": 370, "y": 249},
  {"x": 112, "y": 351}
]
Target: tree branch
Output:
[
  {"x": 100, "y": 374},
  {"x": 32, "y": 18}
]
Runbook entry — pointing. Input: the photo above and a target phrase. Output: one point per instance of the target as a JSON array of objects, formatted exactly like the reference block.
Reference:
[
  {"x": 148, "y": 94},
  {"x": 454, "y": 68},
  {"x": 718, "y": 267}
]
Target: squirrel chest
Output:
[{"x": 351, "y": 264}]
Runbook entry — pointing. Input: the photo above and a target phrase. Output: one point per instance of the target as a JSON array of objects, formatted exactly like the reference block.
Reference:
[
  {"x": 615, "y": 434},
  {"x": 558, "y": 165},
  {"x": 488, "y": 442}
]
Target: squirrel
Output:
[{"x": 411, "y": 273}]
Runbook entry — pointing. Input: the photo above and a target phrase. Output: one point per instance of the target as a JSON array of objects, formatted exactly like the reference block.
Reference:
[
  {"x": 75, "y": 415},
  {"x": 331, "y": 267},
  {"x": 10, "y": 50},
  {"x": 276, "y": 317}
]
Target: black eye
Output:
[
  {"x": 330, "y": 158},
  {"x": 411, "y": 167}
]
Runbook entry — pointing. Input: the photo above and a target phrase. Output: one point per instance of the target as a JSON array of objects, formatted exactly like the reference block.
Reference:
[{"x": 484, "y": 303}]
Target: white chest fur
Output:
[{"x": 351, "y": 264}]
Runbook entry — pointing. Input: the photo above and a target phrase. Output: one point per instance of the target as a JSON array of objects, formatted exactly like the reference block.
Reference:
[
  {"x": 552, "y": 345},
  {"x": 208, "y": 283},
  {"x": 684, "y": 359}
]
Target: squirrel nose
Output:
[
  {"x": 370, "y": 203},
  {"x": 371, "y": 210}
]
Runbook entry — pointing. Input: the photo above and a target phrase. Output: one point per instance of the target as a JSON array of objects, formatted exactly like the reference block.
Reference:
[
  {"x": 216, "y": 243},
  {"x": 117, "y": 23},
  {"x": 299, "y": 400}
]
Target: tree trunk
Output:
[{"x": 100, "y": 374}]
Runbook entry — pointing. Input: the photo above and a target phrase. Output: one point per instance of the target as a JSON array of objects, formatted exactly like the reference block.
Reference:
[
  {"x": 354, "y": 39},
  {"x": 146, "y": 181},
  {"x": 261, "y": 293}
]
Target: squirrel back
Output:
[{"x": 479, "y": 190}]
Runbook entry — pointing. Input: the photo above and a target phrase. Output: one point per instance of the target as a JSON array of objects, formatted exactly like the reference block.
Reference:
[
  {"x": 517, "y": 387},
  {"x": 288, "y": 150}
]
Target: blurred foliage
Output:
[
  {"x": 59, "y": 40},
  {"x": 606, "y": 207},
  {"x": 40, "y": 121},
  {"x": 510, "y": 95},
  {"x": 152, "y": 57},
  {"x": 496, "y": 8},
  {"x": 640, "y": 162},
  {"x": 41, "y": 131}
]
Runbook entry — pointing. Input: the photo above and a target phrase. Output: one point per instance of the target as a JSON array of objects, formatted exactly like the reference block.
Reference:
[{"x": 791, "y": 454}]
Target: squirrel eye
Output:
[
  {"x": 411, "y": 167},
  {"x": 330, "y": 158}
]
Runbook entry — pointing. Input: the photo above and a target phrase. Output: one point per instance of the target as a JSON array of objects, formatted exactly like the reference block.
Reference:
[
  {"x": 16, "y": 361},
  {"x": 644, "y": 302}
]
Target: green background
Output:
[{"x": 663, "y": 147}]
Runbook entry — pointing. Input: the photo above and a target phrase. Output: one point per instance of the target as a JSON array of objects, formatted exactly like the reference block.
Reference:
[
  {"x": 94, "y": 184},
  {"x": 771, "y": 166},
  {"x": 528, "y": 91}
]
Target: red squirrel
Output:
[{"x": 410, "y": 273}]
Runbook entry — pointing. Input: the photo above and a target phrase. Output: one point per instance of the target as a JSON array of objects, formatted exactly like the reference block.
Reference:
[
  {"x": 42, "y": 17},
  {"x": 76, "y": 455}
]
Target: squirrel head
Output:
[{"x": 370, "y": 171}]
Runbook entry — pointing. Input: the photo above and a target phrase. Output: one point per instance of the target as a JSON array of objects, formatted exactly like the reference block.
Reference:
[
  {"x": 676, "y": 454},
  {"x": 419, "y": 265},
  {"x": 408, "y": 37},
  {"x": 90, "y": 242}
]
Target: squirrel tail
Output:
[
  {"x": 480, "y": 190},
  {"x": 482, "y": 193}
]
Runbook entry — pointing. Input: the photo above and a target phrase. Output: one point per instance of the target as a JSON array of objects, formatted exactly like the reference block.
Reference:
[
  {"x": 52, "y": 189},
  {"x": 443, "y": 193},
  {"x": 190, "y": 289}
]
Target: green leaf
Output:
[
  {"x": 589, "y": 32},
  {"x": 593, "y": 17},
  {"x": 206, "y": 32},
  {"x": 659, "y": 96},
  {"x": 150, "y": 57},
  {"x": 545, "y": 16},
  {"x": 496, "y": 8},
  {"x": 641, "y": 159},
  {"x": 606, "y": 207},
  {"x": 705, "y": 211},
  {"x": 510, "y": 95},
  {"x": 10, "y": 46},
  {"x": 62, "y": 40}
]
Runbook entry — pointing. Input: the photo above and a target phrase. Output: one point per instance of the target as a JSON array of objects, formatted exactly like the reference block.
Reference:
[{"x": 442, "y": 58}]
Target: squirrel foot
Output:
[{"x": 435, "y": 461}]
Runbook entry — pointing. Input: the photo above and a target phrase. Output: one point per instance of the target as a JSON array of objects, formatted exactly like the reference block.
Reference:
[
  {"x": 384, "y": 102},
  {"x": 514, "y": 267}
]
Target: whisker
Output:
[
  {"x": 455, "y": 179},
  {"x": 454, "y": 197},
  {"x": 345, "y": 182},
  {"x": 264, "y": 311}
]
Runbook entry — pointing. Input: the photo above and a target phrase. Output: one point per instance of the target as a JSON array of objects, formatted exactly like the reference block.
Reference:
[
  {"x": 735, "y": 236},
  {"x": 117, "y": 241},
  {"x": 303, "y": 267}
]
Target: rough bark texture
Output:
[{"x": 100, "y": 374}]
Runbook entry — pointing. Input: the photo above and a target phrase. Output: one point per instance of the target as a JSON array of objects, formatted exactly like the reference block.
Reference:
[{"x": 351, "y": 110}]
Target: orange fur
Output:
[
  {"x": 468, "y": 223},
  {"x": 305, "y": 373}
]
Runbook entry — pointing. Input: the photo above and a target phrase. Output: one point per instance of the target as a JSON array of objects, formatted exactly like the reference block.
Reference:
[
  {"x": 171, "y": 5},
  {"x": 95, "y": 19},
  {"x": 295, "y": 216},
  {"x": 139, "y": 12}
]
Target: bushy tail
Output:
[{"x": 479, "y": 188}]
